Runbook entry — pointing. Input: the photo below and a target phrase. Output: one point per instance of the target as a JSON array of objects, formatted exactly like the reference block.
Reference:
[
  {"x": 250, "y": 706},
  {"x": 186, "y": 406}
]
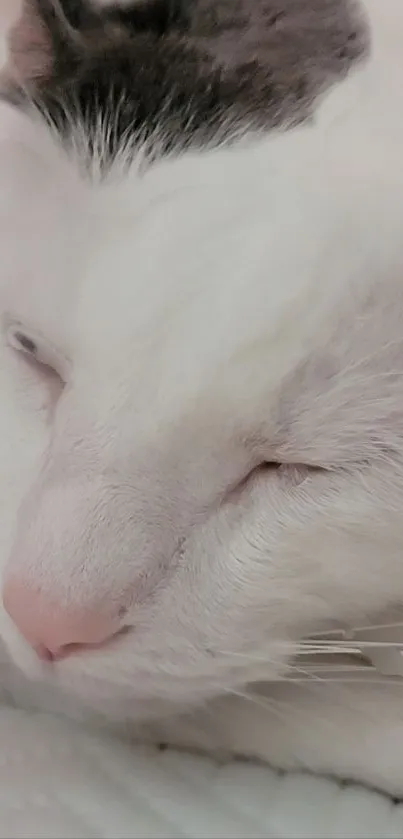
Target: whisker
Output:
[
  {"x": 289, "y": 666},
  {"x": 304, "y": 673},
  {"x": 340, "y": 668},
  {"x": 336, "y": 631},
  {"x": 330, "y": 647},
  {"x": 265, "y": 659},
  {"x": 325, "y": 672},
  {"x": 371, "y": 626},
  {"x": 343, "y": 646},
  {"x": 286, "y": 710},
  {"x": 266, "y": 704},
  {"x": 361, "y": 362},
  {"x": 333, "y": 657},
  {"x": 369, "y": 679},
  {"x": 279, "y": 708}
]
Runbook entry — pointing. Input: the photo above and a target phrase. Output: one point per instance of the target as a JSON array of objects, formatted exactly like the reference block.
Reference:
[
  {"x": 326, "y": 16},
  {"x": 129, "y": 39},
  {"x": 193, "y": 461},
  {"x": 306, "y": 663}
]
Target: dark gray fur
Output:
[{"x": 175, "y": 73}]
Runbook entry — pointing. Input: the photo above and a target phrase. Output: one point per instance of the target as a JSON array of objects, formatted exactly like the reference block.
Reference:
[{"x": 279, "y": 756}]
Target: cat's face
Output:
[{"x": 222, "y": 472}]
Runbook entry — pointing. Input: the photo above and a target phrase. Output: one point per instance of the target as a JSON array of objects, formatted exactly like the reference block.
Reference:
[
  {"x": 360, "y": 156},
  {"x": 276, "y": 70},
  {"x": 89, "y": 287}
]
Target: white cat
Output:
[{"x": 209, "y": 309}]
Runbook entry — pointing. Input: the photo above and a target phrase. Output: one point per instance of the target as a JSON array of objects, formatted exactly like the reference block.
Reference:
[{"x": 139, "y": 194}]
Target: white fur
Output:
[{"x": 218, "y": 311}]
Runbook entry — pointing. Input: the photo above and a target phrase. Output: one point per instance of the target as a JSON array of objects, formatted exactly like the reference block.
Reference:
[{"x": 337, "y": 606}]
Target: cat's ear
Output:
[
  {"x": 10, "y": 11},
  {"x": 44, "y": 33},
  {"x": 28, "y": 46},
  {"x": 47, "y": 34}
]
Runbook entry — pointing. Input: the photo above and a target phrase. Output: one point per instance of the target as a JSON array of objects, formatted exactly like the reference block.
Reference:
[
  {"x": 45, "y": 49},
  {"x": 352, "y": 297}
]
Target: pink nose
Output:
[{"x": 53, "y": 631}]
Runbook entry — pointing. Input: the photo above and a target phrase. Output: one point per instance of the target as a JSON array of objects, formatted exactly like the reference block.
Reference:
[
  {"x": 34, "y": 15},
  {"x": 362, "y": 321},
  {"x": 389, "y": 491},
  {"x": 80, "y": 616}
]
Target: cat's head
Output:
[{"x": 224, "y": 469}]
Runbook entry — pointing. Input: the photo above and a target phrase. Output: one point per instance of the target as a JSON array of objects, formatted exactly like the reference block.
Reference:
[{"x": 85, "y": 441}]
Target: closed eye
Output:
[{"x": 41, "y": 354}]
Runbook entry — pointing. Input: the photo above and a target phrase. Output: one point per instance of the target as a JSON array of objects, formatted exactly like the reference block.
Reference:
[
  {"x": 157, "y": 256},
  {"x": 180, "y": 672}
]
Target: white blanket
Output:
[{"x": 57, "y": 780}]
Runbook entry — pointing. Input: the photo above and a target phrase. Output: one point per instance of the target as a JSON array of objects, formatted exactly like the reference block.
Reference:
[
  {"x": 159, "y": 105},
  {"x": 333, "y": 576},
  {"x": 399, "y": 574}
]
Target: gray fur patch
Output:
[{"x": 170, "y": 74}]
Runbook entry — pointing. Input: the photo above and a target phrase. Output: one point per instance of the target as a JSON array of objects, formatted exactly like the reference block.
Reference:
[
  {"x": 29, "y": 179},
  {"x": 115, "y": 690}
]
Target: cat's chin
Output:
[
  {"x": 89, "y": 704},
  {"x": 29, "y": 683}
]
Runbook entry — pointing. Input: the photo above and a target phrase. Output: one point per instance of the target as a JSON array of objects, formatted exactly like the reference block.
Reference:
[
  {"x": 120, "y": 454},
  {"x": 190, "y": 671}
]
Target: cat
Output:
[{"x": 201, "y": 284}]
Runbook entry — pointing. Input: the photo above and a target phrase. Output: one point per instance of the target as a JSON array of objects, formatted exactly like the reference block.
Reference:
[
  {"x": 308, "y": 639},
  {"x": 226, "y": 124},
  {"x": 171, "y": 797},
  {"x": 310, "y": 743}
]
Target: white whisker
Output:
[
  {"x": 343, "y": 646},
  {"x": 325, "y": 672},
  {"x": 372, "y": 626},
  {"x": 294, "y": 668},
  {"x": 373, "y": 680},
  {"x": 351, "y": 630},
  {"x": 285, "y": 710},
  {"x": 267, "y": 704}
]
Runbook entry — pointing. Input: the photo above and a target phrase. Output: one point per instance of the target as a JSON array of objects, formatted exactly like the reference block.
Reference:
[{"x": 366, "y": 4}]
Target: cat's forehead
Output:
[
  {"x": 167, "y": 77},
  {"x": 175, "y": 74}
]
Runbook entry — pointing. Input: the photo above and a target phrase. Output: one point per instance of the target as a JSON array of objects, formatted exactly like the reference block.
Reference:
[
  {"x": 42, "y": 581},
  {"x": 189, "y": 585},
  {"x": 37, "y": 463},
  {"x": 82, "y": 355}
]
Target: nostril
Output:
[
  {"x": 55, "y": 632},
  {"x": 43, "y": 653},
  {"x": 59, "y": 653},
  {"x": 70, "y": 649}
]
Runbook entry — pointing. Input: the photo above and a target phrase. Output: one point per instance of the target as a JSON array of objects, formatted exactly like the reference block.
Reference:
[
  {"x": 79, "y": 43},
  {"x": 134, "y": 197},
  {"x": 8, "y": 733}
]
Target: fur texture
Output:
[
  {"x": 162, "y": 75},
  {"x": 224, "y": 469}
]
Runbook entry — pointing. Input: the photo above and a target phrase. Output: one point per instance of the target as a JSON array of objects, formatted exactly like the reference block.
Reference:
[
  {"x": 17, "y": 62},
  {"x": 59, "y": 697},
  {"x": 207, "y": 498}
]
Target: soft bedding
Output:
[{"x": 58, "y": 780}]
